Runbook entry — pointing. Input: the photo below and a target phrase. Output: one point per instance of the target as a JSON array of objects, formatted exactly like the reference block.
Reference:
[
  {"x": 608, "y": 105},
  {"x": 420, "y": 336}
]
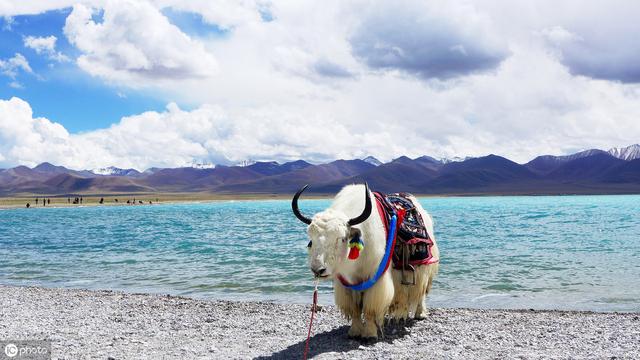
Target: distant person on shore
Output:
[
  {"x": 68, "y": 200},
  {"x": 28, "y": 205},
  {"x": 49, "y": 201},
  {"x": 116, "y": 200},
  {"x": 81, "y": 200},
  {"x": 36, "y": 201},
  {"x": 44, "y": 202},
  {"x": 101, "y": 200}
]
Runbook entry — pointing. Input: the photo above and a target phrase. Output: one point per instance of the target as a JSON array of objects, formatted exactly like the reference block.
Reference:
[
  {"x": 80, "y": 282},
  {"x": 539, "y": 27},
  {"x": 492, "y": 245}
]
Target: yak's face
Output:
[
  {"x": 329, "y": 235},
  {"x": 331, "y": 230}
]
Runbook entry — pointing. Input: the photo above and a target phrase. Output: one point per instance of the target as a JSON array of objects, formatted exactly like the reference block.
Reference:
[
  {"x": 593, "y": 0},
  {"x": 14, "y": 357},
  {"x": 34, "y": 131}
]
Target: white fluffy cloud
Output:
[
  {"x": 430, "y": 39},
  {"x": 134, "y": 42},
  {"x": 41, "y": 44},
  {"x": 10, "y": 67},
  {"x": 24, "y": 138},
  {"x": 45, "y": 45},
  {"x": 32, "y": 7},
  {"x": 176, "y": 137},
  {"x": 345, "y": 79},
  {"x": 226, "y": 14},
  {"x": 8, "y": 23},
  {"x": 171, "y": 138}
]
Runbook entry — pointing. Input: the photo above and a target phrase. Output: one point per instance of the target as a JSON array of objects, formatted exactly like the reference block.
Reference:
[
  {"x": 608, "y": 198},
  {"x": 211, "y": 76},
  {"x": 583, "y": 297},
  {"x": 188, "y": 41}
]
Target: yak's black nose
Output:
[{"x": 319, "y": 272}]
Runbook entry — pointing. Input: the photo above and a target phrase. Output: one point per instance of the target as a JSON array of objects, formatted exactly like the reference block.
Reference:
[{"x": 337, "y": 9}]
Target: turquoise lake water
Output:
[{"x": 547, "y": 252}]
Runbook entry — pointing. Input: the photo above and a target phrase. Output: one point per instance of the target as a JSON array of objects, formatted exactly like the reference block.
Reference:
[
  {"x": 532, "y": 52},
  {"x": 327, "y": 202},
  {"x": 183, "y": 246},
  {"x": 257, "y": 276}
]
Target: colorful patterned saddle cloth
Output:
[{"x": 413, "y": 243}]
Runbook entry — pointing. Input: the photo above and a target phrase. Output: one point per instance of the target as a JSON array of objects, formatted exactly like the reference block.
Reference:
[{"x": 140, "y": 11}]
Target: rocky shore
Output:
[{"x": 85, "y": 324}]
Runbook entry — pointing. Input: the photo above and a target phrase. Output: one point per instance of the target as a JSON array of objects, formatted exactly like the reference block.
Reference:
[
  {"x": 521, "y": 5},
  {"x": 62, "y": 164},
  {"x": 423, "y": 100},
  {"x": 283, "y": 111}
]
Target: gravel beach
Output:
[{"x": 111, "y": 325}]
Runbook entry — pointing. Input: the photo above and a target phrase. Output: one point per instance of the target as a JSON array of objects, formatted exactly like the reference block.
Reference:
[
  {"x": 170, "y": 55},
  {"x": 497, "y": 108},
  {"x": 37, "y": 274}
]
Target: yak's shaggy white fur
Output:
[
  {"x": 330, "y": 234},
  {"x": 410, "y": 298}
]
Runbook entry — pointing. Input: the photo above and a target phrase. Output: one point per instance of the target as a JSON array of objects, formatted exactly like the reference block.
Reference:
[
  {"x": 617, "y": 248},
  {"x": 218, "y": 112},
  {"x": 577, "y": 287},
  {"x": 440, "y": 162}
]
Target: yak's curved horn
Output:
[
  {"x": 294, "y": 206},
  {"x": 367, "y": 208}
]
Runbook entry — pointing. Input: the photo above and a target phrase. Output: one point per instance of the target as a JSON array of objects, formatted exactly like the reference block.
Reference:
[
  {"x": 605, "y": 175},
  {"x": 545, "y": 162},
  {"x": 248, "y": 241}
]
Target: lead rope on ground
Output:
[{"x": 313, "y": 312}]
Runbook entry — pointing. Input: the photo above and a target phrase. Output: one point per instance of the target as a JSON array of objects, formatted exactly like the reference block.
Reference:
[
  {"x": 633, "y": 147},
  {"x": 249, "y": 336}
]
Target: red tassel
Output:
[{"x": 354, "y": 252}]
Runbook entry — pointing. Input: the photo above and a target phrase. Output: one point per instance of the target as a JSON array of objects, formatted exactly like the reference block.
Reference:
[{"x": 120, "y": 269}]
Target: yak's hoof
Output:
[
  {"x": 419, "y": 317},
  {"x": 369, "y": 340},
  {"x": 354, "y": 334}
]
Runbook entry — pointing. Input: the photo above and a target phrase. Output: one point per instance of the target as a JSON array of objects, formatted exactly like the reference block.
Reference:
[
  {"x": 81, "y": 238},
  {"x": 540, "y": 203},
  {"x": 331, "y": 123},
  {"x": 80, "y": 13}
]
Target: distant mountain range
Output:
[{"x": 587, "y": 172}]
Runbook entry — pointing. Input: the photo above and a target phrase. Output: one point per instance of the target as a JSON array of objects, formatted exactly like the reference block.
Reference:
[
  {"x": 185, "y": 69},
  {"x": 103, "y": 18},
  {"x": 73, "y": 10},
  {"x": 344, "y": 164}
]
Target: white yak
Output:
[{"x": 352, "y": 214}]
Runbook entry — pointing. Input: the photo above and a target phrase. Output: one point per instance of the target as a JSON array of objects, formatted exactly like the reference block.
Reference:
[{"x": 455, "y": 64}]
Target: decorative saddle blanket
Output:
[{"x": 413, "y": 243}]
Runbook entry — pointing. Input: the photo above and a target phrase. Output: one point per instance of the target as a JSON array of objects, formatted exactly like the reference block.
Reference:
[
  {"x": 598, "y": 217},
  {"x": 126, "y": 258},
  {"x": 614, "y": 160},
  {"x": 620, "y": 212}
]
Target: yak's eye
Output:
[{"x": 309, "y": 244}]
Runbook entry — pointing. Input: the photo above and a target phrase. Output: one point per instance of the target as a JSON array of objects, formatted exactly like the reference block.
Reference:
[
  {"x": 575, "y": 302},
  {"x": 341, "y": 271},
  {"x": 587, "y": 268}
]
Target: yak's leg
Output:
[
  {"x": 399, "y": 309},
  {"x": 418, "y": 292},
  {"x": 350, "y": 304},
  {"x": 422, "y": 307},
  {"x": 357, "y": 327},
  {"x": 420, "y": 310},
  {"x": 376, "y": 303}
]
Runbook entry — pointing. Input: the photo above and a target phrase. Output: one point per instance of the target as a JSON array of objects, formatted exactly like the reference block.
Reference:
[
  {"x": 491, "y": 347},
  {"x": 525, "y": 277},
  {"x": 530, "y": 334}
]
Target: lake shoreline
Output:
[
  {"x": 93, "y": 201},
  {"x": 9, "y": 202},
  {"x": 155, "y": 199},
  {"x": 102, "y": 324}
]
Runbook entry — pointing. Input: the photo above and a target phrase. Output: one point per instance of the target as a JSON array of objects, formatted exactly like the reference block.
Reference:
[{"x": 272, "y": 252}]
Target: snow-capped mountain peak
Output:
[
  {"x": 455, "y": 159},
  {"x": 628, "y": 153},
  {"x": 201, "y": 165},
  {"x": 373, "y": 161},
  {"x": 114, "y": 171}
]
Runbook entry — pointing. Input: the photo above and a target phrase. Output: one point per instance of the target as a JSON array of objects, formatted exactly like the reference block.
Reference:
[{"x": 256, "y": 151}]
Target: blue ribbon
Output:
[{"x": 383, "y": 264}]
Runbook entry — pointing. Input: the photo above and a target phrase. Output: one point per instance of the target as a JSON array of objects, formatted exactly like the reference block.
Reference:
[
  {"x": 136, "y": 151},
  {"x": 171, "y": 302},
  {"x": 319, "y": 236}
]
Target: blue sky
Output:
[
  {"x": 141, "y": 83},
  {"x": 63, "y": 93},
  {"x": 60, "y": 91}
]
